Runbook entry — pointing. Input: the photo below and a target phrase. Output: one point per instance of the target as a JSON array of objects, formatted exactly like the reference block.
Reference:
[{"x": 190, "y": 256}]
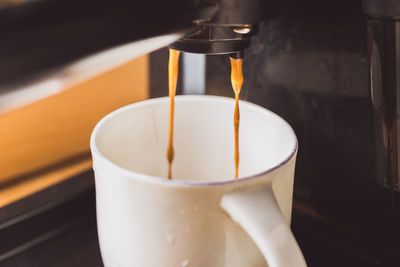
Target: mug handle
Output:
[{"x": 257, "y": 212}]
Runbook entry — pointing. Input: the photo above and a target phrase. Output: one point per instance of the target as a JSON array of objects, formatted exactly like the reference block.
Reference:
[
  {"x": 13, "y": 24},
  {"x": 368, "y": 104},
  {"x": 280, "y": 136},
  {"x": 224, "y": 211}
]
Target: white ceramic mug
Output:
[{"x": 203, "y": 217}]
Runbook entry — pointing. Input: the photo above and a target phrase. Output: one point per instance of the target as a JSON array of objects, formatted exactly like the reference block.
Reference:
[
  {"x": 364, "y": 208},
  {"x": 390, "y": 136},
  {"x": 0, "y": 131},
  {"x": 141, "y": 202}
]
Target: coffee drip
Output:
[
  {"x": 236, "y": 80},
  {"x": 172, "y": 81}
]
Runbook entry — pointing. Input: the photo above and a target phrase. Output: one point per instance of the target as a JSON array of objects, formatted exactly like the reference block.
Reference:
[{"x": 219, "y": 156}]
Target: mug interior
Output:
[{"x": 135, "y": 138}]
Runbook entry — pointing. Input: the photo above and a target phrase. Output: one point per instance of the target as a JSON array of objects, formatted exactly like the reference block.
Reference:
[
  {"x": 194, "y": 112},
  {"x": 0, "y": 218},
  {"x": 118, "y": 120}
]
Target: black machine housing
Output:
[{"x": 226, "y": 26}]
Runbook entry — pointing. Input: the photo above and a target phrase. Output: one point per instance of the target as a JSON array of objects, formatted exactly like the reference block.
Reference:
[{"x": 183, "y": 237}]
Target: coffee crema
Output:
[{"x": 172, "y": 81}]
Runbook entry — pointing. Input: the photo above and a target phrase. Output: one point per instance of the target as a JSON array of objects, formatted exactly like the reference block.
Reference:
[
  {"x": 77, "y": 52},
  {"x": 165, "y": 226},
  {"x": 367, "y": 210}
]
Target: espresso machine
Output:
[{"x": 330, "y": 68}]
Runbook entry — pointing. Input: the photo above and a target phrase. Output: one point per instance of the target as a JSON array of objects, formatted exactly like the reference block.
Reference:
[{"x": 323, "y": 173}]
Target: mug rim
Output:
[{"x": 174, "y": 182}]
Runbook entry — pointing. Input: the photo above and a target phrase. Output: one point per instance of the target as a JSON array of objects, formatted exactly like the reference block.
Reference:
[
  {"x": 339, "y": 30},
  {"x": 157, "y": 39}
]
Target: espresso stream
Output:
[
  {"x": 236, "y": 80},
  {"x": 172, "y": 81}
]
